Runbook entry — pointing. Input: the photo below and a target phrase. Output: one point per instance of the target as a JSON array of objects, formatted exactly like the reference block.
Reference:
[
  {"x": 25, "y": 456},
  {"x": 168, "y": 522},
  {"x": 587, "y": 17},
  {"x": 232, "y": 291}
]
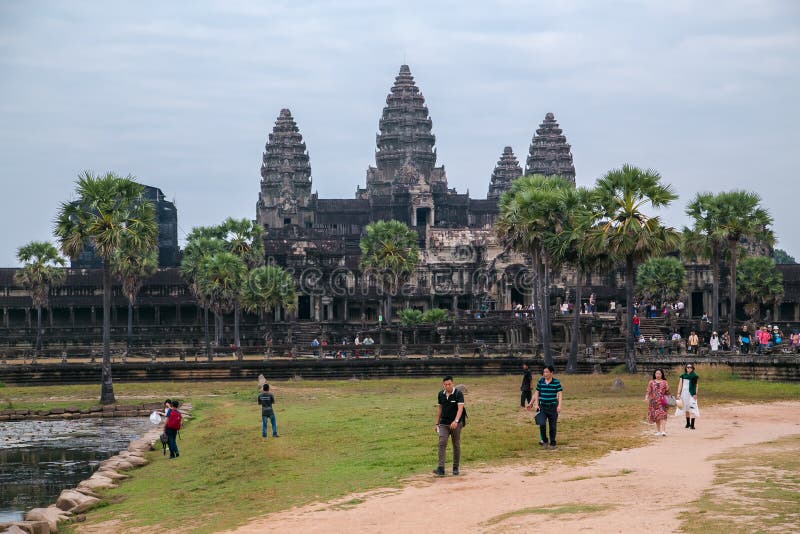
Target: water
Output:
[{"x": 38, "y": 459}]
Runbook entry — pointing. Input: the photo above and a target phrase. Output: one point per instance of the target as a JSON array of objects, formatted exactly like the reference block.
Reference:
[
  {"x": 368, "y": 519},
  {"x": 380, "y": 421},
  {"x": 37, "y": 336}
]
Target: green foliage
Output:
[
  {"x": 40, "y": 271},
  {"x": 661, "y": 279},
  {"x": 269, "y": 287},
  {"x": 758, "y": 282},
  {"x": 435, "y": 316},
  {"x": 390, "y": 253},
  {"x": 410, "y": 317},
  {"x": 782, "y": 257},
  {"x": 132, "y": 269},
  {"x": 221, "y": 277},
  {"x": 110, "y": 213}
]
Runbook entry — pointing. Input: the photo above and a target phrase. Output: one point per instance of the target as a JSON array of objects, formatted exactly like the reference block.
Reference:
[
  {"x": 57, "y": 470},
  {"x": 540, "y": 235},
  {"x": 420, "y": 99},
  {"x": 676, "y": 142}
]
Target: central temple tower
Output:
[{"x": 405, "y": 181}]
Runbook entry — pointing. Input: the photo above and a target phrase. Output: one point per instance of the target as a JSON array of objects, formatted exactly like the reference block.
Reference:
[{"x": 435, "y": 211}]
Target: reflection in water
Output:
[{"x": 38, "y": 459}]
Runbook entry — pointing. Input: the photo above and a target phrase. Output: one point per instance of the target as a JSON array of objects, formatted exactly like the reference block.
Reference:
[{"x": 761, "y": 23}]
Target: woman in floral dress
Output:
[{"x": 657, "y": 388}]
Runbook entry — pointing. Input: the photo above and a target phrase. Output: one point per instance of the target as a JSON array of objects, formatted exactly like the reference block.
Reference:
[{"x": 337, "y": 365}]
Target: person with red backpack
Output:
[{"x": 171, "y": 428}]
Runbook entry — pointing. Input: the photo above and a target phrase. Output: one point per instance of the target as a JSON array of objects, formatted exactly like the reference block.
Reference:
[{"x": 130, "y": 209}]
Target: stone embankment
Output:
[
  {"x": 77, "y": 413},
  {"x": 73, "y": 503}
]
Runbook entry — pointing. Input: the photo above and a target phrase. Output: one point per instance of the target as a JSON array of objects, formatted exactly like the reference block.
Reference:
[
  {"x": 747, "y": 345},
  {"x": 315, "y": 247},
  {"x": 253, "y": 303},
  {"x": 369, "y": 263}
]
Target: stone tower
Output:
[
  {"x": 506, "y": 171},
  {"x": 404, "y": 182},
  {"x": 550, "y": 153},
  {"x": 285, "y": 177}
]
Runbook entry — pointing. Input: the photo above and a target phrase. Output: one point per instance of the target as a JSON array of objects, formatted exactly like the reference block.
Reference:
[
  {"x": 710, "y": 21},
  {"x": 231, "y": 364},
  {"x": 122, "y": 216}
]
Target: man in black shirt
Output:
[
  {"x": 449, "y": 423},
  {"x": 266, "y": 400},
  {"x": 525, "y": 388}
]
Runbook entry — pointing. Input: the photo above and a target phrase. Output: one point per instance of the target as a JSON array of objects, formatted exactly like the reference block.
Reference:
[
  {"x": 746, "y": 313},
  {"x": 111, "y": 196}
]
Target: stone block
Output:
[
  {"x": 108, "y": 408},
  {"x": 30, "y": 527},
  {"x": 50, "y": 515},
  {"x": 75, "y": 501},
  {"x": 57, "y": 411},
  {"x": 22, "y": 412},
  {"x": 108, "y": 414},
  {"x": 96, "y": 409}
]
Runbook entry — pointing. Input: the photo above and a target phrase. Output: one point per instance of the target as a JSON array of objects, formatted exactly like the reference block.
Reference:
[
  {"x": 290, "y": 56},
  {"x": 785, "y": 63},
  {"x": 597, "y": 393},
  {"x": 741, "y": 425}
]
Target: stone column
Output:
[
  {"x": 178, "y": 313},
  {"x": 345, "y": 315},
  {"x": 157, "y": 314},
  {"x": 50, "y": 316},
  {"x": 454, "y": 307},
  {"x": 28, "y": 317},
  {"x": 5, "y": 317},
  {"x": 797, "y": 312},
  {"x": 136, "y": 315},
  {"x": 72, "y": 316}
]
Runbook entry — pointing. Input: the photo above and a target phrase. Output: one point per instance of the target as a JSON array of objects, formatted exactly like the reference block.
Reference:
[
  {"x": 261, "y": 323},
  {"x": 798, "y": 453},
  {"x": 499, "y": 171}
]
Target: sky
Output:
[{"x": 183, "y": 95}]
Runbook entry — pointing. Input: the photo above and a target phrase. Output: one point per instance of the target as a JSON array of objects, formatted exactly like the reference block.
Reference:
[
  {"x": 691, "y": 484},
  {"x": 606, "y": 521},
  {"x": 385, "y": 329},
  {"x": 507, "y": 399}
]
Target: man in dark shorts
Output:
[
  {"x": 525, "y": 388},
  {"x": 449, "y": 423}
]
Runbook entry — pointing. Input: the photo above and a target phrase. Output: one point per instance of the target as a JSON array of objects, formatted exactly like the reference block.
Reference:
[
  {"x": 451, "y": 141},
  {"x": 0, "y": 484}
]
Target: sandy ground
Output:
[{"x": 638, "y": 490}]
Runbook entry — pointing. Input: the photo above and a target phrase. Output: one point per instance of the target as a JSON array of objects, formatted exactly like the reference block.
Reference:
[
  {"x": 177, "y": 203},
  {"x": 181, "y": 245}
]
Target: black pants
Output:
[
  {"x": 171, "y": 443},
  {"x": 525, "y": 398},
  {"x": 552, "y": 419}
]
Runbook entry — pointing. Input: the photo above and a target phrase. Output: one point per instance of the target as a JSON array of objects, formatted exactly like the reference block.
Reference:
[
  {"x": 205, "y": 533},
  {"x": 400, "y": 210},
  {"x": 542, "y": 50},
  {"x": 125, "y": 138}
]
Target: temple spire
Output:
[
  {"x": 285, "y": 174},
  {"x": 506, "y": 171},
  {"x": 549, "y": 153},
  {"x": 405, "y": 128}
]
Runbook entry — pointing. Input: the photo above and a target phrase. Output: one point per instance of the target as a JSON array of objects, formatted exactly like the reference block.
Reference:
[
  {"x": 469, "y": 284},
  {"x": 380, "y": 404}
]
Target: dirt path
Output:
[{"x": 636, "y": 490}]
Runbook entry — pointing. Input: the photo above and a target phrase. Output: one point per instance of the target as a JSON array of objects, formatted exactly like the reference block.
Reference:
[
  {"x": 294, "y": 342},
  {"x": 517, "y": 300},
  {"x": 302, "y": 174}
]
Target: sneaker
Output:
[
  {"x": 553, "y": 447},
  {"x": 455, "y": 471},
  {"x": 543, "y": 444},
  {"x": 275, "y": 436},
  {"x": 439, "y": 471},
  {"x": 663, "y": 433}
]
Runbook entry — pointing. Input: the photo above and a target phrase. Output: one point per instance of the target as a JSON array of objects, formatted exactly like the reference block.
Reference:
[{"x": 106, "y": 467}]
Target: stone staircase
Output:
[{"x": 653, "y": 328}]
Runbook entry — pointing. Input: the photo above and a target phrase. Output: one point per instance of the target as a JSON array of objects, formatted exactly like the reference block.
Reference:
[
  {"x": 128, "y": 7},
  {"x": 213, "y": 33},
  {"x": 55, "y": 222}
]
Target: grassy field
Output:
[{"x": 340, "y": 437}]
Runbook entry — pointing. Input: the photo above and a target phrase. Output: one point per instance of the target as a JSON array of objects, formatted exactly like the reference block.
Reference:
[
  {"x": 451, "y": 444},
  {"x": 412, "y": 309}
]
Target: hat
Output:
[
  {"x": 774, "y": 327},
  {"x": 713, "y": 333}
]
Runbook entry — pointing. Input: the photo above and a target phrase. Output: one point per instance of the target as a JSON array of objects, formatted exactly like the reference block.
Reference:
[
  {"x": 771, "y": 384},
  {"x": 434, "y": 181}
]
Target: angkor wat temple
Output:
[{"x": 462, "y": 267}]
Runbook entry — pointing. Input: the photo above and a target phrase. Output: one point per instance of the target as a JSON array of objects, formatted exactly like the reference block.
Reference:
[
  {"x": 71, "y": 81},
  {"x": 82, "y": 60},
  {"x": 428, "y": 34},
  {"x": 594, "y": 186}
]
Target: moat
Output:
[{"x": 38, "y": 459}]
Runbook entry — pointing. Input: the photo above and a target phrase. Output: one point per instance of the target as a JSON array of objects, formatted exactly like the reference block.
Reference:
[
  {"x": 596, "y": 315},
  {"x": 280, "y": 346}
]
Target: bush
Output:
[
  {"x": 435, "y": 316},
  {"x": 410, "y": 317}
]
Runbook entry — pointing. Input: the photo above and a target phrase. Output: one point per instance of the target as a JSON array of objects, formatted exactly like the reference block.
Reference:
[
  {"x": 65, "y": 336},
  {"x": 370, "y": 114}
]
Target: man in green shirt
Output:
[{"x": 547, "y": 398}]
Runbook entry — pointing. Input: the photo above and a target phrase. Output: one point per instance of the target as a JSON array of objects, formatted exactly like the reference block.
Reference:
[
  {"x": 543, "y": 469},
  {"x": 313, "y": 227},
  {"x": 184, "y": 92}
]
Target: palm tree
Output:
[
  {"x": 220, "y": 277},
  {"x": 269, "y": 287},
  {"x": 389, "y": 253},
  {"x": 661, "y": 279},
  {"x": 243, "y": 239},
  {"x": 132, "y": 270},
  {"x": 760, "y": 283},
  {"x": 532, "y": 212},
  {"x": 201, "y": 243},
  {"x": 110, "y": 212},
  {"x": 627, "y": 233},
  {"x": 739, "y": 216},
  {"x": 703, "y": 240},
  {"x": 572, "y": 247},
  {"x": 39, "y": 274}
]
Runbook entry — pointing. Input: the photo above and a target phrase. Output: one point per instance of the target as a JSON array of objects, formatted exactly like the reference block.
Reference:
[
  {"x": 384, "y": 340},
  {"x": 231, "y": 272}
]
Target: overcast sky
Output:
[{"x": 183, "y": 95}]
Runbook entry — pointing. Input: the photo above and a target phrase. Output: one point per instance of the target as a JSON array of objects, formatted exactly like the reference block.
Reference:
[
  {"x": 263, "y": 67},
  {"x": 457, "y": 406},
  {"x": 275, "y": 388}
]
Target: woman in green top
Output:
[{"x": 687, "y": 393}]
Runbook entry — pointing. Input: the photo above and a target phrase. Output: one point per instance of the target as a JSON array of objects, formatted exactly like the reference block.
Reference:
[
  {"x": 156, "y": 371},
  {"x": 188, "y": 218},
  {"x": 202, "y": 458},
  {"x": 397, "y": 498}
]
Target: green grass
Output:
[
  {"x": 340, "y": 437},
  {"x": 756, "y": 489},
  {"x": 563, "y": 509}
]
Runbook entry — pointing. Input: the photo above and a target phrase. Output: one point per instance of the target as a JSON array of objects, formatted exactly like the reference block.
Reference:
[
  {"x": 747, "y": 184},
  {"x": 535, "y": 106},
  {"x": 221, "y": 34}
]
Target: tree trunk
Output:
[
  {"x": 107, "y": 384},
  {"x": 130, "y": 324},
  {"x": 208, "y": 334},
  {"x": 547, "y": 333},
  {"x": 630, "y": 355},
  {"x": 236, "y": 312},
  {"x": 38, "y": 346},
  {"x": 715, "y": 288},
  {"x": 732, "y": 314},
  {"x": 572, "y": 361}
]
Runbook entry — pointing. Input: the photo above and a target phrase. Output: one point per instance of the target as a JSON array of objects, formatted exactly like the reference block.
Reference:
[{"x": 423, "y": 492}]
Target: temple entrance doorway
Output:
[
  {"x": 516, "y": 296},
  {"x": 697, "y": 303},
  {"x": 303, "y": 308},
  {"x": 422, "y": 216}
]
